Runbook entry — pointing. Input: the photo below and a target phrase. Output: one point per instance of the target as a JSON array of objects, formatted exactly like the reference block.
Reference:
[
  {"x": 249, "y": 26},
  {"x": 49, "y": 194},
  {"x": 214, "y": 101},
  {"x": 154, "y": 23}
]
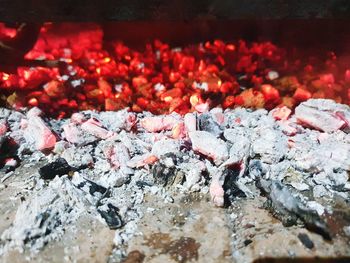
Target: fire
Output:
[
  {"x": 33, "y": 102},
  {"x": 5, "y": 76},
  {"x": 168, "y": 99},
  {"x": 107, "y": 60},
  {"x": 194, "y": 100},
  {"x": 161, "y": 79}
]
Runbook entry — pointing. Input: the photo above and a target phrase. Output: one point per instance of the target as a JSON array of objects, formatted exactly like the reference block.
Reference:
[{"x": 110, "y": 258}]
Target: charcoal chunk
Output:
[
  {"x": 58, "y": 167},
  {"x": 142, "y": 184},
  {"x": 307, "y": 242},
  {"x": 163, "y": 175},
  {"x": 92, "y": 187},
  {"x": 230, "y": 187},
  {"x": 166, "y": 175},
  {"x": 247, "y": 242},
  {"x": 286, "y": 203},
  {"x": 111, "y": 216}
]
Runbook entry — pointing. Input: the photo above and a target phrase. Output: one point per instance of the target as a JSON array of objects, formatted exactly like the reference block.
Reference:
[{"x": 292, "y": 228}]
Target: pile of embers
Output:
[
  {"x": 299, "y": 161},
  {"x": 162, "y": 79}
]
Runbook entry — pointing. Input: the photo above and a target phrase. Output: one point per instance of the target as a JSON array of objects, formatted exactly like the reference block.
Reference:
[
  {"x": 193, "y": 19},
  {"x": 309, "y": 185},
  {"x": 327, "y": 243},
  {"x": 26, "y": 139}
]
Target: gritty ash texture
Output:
[{"x": 299, "y": 162}]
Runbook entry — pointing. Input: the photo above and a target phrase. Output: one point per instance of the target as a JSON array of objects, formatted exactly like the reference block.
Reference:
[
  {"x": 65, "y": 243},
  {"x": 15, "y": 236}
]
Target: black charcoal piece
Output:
[
  {"x": 92, "y": 187},
  {"x": 167, "y": 176},
  {"x": 58, "y": 167},
  {"x": 247, "y": 242},
  {"x": 285, "y": 203},
  {"x": 230, "y": 187},
  {"x": 307, "y": 242},
  {"x": 163, "y": 175},
  {"x": 142, "y": 184},
  {"x": 111, "y": 216}
]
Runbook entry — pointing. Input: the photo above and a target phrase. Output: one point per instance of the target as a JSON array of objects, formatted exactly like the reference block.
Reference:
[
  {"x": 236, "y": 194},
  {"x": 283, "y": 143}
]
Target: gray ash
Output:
[{"x": 114, "y": 159}]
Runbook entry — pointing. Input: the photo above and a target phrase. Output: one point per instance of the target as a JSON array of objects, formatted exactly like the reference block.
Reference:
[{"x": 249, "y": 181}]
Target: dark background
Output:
[
  {"x": 131, "y": 10},
  {"x": 310, "y": 24}
]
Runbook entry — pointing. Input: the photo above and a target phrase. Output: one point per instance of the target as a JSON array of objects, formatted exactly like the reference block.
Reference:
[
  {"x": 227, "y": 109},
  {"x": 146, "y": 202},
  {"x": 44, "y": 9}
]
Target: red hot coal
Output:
[{"x": 74, "y": 69}]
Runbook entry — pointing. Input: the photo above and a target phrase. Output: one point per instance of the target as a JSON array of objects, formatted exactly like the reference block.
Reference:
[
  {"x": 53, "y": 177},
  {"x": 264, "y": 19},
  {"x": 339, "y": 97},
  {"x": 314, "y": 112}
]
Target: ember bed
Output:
[{"x": 212, "y": 144}]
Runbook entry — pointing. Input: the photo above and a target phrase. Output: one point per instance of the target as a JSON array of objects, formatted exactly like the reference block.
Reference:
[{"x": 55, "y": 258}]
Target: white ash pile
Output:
[{"x": 104, "y": 162}]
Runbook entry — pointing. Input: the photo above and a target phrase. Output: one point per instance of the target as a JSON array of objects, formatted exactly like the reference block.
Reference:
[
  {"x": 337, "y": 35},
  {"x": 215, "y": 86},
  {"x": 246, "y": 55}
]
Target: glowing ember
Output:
[{"x": 161, "y": 79}]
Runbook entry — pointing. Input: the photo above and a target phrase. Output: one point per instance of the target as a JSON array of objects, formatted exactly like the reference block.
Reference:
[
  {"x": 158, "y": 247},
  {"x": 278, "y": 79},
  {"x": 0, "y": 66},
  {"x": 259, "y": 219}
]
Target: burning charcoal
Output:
[
  {"x": 324, "y": 115},
  {"x": 158, "y": 123},
  {"x": 37, "y": 132},
  {"x": 95, "y": 128},
  {"x": 58, "y": 167},
  {"x": 306, "y": 241},
  {"x": 207, "y": 123},
  {"x": 287, "y": 203},
  {"x": 179, "y": 131},
  {"x": 110, "y": 214},
  {"x": 202, "y": 107},
  {"x": 207, "y": 144}
]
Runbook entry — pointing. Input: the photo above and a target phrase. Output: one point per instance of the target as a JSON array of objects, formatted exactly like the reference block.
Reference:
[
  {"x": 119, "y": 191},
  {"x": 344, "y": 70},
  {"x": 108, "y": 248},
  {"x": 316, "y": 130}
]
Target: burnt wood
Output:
[{"x": 133, "y": 10}]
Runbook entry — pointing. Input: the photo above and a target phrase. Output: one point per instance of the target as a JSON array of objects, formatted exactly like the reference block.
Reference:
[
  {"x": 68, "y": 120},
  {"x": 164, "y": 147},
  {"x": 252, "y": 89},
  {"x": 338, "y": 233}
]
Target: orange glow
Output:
[
  {"x": 230, "y": 47},
  {"x": 107, "y": 60},
  {"x": 26, "y": 74},
  {"x": 162, "y": 78},
  {"x": 194, "y": 100},
  {"x": 33, "y": 102},
  {"x": 168, "y": 98},
  {"x": 5, "y": 76}
]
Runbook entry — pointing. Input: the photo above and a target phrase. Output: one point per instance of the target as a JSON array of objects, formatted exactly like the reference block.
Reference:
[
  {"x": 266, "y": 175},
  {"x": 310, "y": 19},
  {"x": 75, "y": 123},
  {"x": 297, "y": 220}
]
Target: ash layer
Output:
[{"x": 102, "y": 164}]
